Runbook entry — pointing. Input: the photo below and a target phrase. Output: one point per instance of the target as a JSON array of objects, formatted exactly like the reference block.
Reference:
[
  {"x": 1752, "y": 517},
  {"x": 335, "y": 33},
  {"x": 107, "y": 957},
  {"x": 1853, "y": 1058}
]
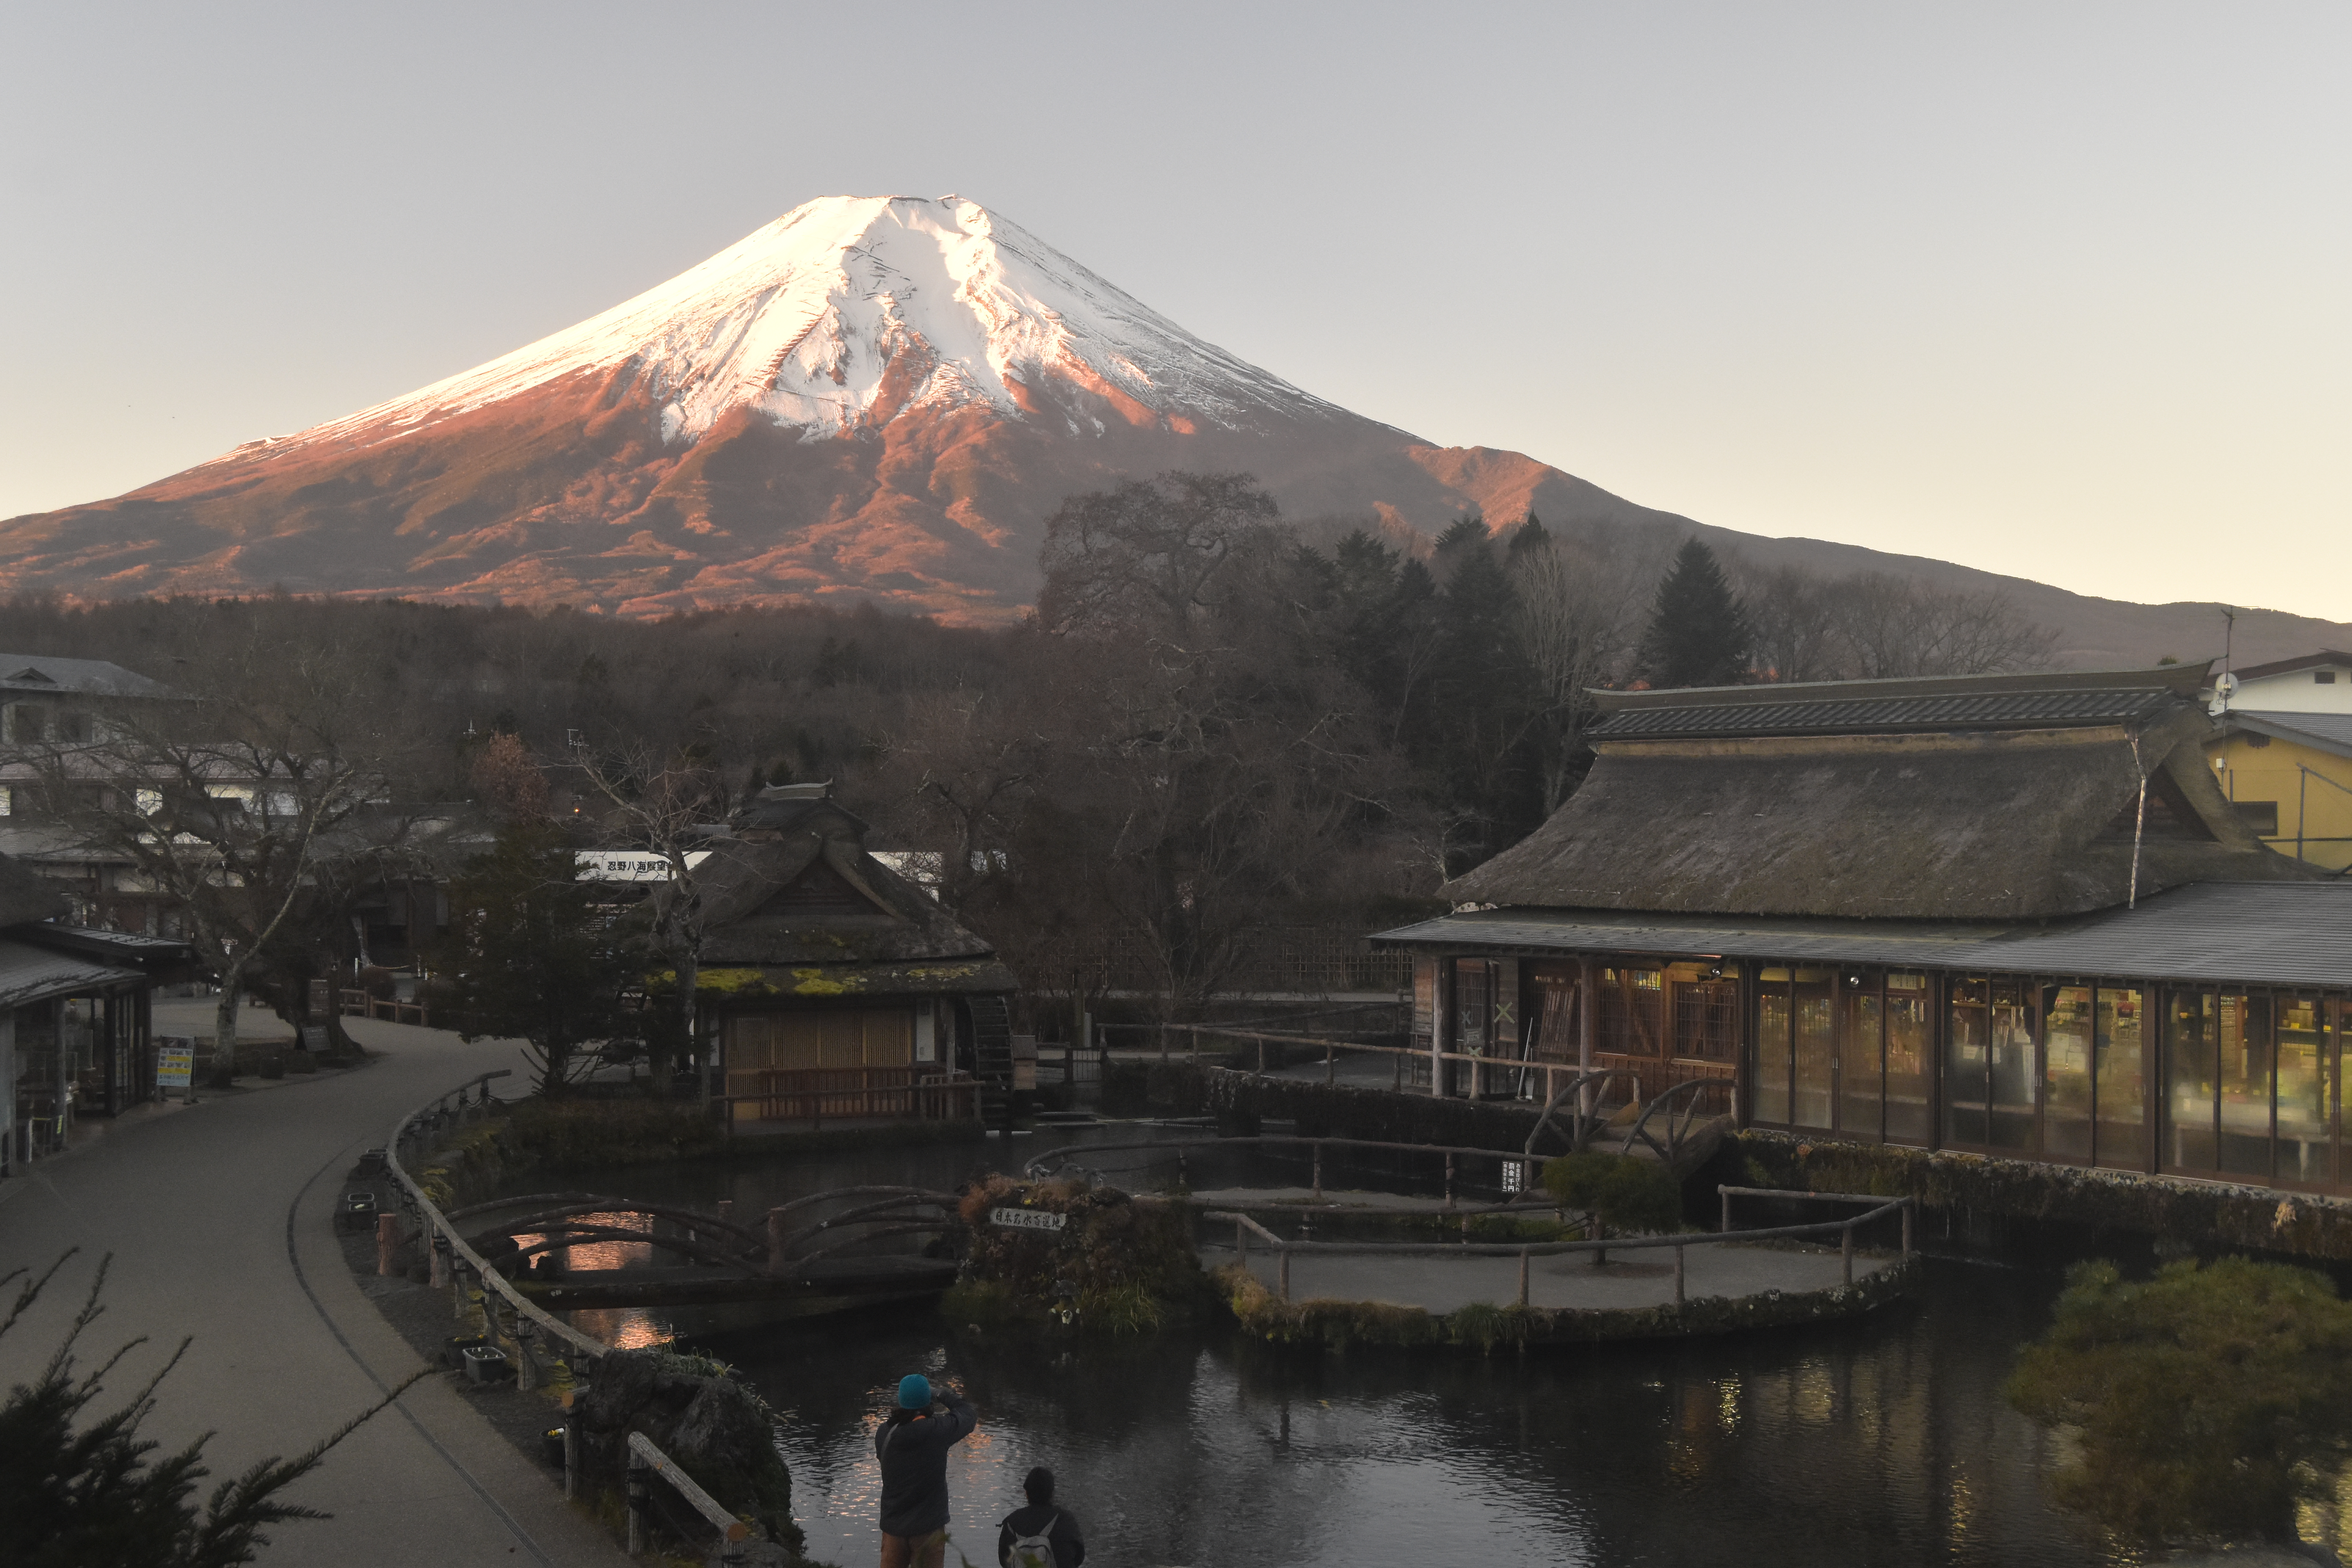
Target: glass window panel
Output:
[
  {"x": 2189, "y": 1072},
  {"x": 1813, "y": 1012},
  {"x": 2122, "y": 1079},
  {"x": 1633, "y": 1011},
  {"x": 1860, "y": 1052},
  {"x": 2302, "y": 1092},
  {"x": 1965, "y": 1062},
  {"x": 2066, "y": 1072},
  {"x": 1772, "y": 1091},
  {"x": 2245, "y": 1053},
  {"x": 2342, "y": 1033},
  {"x": 1910, "y": 1116},
  {"x": 1470, "y": 996},
  {"x": 2011, "y": 1069},
  {"x": 1705, "y": 1015}
]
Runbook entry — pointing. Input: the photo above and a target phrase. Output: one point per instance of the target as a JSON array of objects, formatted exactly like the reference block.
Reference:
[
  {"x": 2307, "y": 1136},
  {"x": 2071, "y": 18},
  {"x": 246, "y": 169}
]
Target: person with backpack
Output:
[
  {"x": 1040, "y": 1535},
  {"x": 912, "y": 1447}
]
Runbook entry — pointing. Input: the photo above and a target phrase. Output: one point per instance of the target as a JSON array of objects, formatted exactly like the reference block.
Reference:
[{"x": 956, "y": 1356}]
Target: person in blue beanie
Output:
[{"x": 912, "y": 1446}]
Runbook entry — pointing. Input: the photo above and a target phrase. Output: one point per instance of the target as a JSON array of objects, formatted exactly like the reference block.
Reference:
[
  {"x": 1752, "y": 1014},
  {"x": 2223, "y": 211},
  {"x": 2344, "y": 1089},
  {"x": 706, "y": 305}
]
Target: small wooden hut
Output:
[{"x": 836, "y": 987}]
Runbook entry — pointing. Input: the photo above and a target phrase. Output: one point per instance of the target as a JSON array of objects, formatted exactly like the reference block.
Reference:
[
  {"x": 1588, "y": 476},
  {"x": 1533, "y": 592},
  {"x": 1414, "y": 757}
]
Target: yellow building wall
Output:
[{"x": 2319, "y": 806}]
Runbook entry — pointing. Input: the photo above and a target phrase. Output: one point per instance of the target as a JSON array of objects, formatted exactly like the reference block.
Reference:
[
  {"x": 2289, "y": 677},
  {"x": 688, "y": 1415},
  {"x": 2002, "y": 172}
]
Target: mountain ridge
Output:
[{"x": 868, "y": 398}]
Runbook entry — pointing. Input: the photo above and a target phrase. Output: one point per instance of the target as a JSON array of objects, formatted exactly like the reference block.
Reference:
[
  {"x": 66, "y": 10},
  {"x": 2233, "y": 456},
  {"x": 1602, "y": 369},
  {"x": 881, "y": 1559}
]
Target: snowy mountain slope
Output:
[
  {"x": 871, "y": 399},
  {"x": 849, "y": 310}
]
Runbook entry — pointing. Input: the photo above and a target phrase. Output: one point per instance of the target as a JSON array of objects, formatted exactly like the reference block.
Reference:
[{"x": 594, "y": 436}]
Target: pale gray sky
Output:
[{"x": 2055, "y": 289}]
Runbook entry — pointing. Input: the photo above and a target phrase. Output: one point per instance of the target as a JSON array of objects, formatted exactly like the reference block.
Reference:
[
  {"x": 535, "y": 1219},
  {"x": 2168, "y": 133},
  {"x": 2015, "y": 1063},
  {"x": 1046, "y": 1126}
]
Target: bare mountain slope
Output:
[{"x": 869, "y": 398}]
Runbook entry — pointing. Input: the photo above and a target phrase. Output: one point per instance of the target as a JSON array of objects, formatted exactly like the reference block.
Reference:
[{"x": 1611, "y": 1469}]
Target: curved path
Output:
[{"x": 219, "y": 1218}]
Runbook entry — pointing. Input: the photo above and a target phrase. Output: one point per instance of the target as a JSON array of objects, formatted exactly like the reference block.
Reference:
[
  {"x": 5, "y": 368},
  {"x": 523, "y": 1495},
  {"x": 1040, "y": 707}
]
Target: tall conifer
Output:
[{"x": 1699, "y": 632}]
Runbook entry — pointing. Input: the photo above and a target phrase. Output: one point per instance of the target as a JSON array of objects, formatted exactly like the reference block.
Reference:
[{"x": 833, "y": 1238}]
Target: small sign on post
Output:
[
  {"x": 175, "y": 1062},
  {"x": 1027, "y": 1219}
]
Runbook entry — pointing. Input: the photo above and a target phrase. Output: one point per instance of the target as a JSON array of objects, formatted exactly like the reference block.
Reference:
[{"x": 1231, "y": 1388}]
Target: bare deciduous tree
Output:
[
  {"x": 660, "y": 801},
  {"x": 1577, "y": 613},
  {"x": 223, "y": 800}
]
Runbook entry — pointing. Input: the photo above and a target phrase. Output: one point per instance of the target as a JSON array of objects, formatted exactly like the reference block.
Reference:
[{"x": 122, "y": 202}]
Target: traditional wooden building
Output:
[
  {"x": 2012, "y": 915},
  {"x": 834, "y": 985},
  {"x": 74, "y": 1023}
]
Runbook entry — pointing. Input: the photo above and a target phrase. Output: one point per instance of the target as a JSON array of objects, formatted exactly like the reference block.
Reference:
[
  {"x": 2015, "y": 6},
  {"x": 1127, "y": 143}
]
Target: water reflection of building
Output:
[{"x": 2013, "y": 915}]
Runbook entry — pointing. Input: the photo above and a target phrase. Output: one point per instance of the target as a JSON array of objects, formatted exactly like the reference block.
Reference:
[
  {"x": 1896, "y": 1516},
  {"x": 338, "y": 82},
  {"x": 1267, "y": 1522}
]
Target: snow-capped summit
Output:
[
  {"x": 849, "y": 310},
  {"x": 871, "y": 398}
]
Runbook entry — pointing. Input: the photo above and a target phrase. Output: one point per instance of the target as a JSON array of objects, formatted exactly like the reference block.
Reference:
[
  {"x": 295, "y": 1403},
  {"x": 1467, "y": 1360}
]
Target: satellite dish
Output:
[{"x": 2224, "y": 685}]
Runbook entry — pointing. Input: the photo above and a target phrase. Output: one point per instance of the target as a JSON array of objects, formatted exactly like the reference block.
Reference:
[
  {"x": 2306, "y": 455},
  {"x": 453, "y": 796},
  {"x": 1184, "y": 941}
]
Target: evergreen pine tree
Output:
[{"x": 1699, "y": 632}]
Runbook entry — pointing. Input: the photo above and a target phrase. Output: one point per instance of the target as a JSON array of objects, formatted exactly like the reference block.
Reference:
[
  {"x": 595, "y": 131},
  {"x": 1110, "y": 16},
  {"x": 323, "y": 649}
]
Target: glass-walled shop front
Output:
[{"x": 2234, "y": 1084}]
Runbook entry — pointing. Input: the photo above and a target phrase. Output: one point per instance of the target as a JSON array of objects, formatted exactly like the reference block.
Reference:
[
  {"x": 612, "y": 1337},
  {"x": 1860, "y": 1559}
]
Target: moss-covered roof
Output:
[{"x": 1938, "y": 826}]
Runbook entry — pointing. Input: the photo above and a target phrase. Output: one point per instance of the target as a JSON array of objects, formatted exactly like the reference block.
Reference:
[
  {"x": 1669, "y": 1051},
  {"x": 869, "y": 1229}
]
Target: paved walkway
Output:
[
  {"x": 218, "y": 1218},
  {"x": 1642, "y": 1277}
]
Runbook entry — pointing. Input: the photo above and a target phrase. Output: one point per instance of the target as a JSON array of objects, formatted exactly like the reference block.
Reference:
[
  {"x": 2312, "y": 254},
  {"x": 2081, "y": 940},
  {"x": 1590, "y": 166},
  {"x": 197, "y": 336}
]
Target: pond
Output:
[{"x": 1883, "y": 1441}]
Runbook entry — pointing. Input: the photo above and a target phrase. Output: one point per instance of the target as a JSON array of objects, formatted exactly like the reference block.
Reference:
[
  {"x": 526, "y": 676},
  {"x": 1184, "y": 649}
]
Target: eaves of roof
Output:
[
  {"x": 2329, "y": 732},
  {"x": 2248, "y": 933}
]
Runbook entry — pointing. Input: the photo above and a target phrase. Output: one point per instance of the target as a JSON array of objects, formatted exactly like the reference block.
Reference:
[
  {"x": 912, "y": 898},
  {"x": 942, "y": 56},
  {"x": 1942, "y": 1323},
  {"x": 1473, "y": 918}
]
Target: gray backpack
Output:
[{"x": 1035, "y": 1550}]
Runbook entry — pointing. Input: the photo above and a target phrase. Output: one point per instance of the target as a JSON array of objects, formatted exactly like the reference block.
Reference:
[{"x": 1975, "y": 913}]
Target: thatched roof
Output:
[
  {"x": 803, "y": 899},
  {"x": 792, "y": 893},
  {"x": 1948, "y": 824}
]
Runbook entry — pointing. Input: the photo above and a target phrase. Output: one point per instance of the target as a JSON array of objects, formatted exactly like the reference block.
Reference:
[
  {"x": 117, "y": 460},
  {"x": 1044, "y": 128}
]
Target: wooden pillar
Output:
[{"x": 1584, "y": 1033}]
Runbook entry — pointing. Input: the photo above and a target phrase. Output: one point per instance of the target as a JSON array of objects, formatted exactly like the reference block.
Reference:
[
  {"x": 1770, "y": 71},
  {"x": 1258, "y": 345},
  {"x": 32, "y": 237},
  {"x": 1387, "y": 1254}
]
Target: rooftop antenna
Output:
[{"x": 2225, "y": 685}]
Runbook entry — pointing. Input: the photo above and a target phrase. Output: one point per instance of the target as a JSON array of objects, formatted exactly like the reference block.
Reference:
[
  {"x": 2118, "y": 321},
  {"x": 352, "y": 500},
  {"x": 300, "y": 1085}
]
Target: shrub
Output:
[
  {"x": 2204, "y": 1400},
  {"x": 1622, "y": 1192},
  {"x": 1125, "y": 1259}
]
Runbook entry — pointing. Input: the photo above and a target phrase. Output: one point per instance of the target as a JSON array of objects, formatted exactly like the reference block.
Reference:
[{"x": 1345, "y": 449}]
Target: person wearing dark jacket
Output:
[
  {"x": 912, "y": 1446},
  {"x": 1040, "y": 1518}
]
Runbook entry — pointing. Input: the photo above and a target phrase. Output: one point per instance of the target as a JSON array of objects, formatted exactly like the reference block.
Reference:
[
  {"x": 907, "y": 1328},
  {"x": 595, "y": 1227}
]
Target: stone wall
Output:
[{"x": 1974, "y": 1202}]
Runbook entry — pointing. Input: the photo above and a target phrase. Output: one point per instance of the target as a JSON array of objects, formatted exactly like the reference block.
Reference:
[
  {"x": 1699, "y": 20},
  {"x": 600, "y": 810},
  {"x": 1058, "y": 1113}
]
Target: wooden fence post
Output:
[
  {"x": 1727, "y": 1213},
  {"x": 1523, "y": 1279},
  {"x": 636, "y": 1495},
  {"x": 1906, "y": 1228},
  {"x": 1285, "y": 1273},
  {"x": 1846, "y": 1250},
  {"x": 1678, "y": 1276}
]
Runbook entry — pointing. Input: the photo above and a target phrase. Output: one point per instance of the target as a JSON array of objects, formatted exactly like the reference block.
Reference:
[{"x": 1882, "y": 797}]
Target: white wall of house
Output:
[{"x": 2326, "y": 690}]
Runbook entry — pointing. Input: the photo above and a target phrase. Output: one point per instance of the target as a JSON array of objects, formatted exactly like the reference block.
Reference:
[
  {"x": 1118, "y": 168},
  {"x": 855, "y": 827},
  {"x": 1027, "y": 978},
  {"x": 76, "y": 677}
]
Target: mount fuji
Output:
[{"x": 870, "y": 399}]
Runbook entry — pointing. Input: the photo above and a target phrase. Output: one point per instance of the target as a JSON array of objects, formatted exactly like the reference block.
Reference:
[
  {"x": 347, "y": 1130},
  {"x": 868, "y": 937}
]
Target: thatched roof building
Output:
[
  {"x": 1976, "y": 797},
  {"x": 837, "y": 987}
]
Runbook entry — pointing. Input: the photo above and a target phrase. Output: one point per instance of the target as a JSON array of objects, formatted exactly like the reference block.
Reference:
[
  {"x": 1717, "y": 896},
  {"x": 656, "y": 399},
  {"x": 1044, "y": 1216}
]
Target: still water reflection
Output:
[
  {"x": 1884, "y": 1443},
  {"x": 1881, "y": 1442}
]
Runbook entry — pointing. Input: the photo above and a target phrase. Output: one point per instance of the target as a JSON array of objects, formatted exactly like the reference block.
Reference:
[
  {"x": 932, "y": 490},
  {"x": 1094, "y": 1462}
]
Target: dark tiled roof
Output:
[
  {"x": 86, "y": 677},
  {"x": 2320, "y": 661},
  {"x": 2328, "y": 732},
  {"x": 2244, "y": 933},
  {"x": 1885, "y": 714},
  {"x": 29, "y": 973}
]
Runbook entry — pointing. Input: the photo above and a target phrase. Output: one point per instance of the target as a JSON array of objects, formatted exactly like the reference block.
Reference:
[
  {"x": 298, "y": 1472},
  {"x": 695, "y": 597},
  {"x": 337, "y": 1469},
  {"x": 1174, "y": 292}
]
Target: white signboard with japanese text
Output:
[
  {"x": 1027, "y": 1219},
  {"x": 175, "y": 1061},
  {"x": 631, "y": 864}
]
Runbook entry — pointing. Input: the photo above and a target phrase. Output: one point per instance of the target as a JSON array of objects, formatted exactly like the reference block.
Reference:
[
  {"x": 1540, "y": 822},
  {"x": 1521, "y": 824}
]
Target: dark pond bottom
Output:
[{"x": 1883, "y": 1441}]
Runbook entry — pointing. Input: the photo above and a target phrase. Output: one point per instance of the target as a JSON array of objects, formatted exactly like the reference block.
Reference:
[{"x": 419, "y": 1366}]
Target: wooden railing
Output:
[
  {"x": 358, "y": 1004},
  {"x": 815, "y": 1095},
  {"x": 1877, "y": 1208}
]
